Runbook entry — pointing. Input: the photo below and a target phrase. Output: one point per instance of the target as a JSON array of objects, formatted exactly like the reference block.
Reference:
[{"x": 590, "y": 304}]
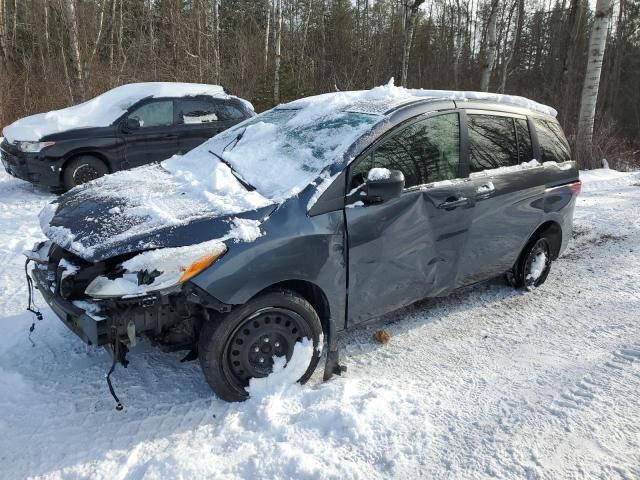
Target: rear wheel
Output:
[
  {"x": 533, "y": 265},
  {"x": 245, "y": 342},
  {"x": 83, "y": 169}
]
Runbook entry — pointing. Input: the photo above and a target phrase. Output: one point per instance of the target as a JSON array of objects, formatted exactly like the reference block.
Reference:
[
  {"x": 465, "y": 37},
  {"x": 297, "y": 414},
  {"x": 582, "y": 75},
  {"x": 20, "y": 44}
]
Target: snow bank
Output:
[{"x": 104, "y": 109}]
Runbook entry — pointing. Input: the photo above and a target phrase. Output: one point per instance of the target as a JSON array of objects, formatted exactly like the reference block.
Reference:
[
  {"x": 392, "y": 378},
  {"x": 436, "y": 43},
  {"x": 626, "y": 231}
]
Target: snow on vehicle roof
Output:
[
  {"x": 283, "y": 150},
  {"x": 104, "y": 109},
  {"x": 384, "y": 98}
]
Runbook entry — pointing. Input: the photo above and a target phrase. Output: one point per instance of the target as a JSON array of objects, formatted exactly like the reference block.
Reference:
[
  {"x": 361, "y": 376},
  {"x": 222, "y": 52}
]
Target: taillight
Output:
[{"x": 575, "y": 187}]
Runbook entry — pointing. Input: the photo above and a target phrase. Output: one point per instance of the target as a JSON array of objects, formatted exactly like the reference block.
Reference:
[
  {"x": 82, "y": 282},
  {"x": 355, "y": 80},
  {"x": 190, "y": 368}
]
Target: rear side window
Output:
[
  {"x": 525, "y": 150},
  {"x": 229, "y": 112},
  {"x": 194, "y": 111},
  {"x": 426, "y": 151},
  {"x": 492, "y": 142},
  {"x": 553, "y": 144},
  {"x": 154, "y": 114}
]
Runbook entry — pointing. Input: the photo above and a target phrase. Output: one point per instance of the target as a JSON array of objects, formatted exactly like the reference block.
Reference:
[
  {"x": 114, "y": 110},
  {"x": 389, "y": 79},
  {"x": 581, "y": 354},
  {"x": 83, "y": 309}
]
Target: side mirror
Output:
[
  {"x": 383, "y": 185},
  {"x": 131, "y": 124}
]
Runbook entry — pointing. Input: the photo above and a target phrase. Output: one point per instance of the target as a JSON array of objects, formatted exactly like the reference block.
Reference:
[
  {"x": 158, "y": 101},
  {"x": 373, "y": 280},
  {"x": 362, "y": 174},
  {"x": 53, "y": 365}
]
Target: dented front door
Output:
[{"x": 406, "y": 249}]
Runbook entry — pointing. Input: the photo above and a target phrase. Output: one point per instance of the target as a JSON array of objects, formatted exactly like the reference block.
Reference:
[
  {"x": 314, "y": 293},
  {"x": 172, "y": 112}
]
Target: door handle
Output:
[
  {"x": 485, "y": 190},
  {"x": 454, "y": 202}
]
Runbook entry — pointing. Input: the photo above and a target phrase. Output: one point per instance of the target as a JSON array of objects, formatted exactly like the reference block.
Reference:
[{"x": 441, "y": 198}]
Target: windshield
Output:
[{"x": 281, "y": 151}]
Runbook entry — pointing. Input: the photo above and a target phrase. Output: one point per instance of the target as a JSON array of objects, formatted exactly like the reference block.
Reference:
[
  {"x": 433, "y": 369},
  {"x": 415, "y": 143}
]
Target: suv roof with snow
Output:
[{"x": 287, "y": 229}]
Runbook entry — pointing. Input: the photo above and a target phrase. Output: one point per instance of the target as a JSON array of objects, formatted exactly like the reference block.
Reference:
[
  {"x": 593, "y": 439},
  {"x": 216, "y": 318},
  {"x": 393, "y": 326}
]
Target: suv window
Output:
[
  {"x": 229, "y": 112},
  {"x": 195, "y": 110},
  {"x": 154, "y": 114},
  {"x": 553, "y": 144},
  {"x": 525, "y": 149},
  {"x": 425, "y": 151},
  {"x": 492, "y": 142}
]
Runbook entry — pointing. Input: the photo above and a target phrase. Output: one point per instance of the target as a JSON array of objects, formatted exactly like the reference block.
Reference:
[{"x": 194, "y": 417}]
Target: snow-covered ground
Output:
[{"x": 487, "y": 382}]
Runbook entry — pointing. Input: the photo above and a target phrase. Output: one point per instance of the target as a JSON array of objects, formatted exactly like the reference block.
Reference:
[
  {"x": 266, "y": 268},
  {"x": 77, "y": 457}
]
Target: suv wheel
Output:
[
  {"x": 533, "y": 265},
  {"x": 243, "y": 343},
  {"x": 83, "y": 169}
]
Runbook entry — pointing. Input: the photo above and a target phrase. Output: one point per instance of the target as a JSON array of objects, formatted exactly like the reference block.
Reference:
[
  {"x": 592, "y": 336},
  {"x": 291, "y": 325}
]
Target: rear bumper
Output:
[
  {"x": 31, "y": 167},
  {"x": 92, "y": 330}
]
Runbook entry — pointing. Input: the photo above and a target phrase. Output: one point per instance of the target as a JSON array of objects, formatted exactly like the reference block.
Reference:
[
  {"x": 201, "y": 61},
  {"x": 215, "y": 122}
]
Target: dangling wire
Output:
[
  {"x": 31, "y": 306},
  {"x": 116, "y": 352}
]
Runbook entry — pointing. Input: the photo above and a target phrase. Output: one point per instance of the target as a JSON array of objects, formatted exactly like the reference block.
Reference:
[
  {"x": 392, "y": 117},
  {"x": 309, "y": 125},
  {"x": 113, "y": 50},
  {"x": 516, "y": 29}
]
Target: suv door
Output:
[
  {"x": 200, "y": 118},
  {"x": 408, "y": 248},
  {"x": 508, "y": 207},
  {"x": 156, "y": 139}
]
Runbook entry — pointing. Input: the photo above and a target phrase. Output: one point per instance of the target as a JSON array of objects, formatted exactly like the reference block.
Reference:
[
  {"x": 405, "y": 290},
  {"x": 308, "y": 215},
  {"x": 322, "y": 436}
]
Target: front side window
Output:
[
  {"x": 154, "y": 114},
  {"x": 553, "y": 144},
  {"x": 492, "y": 142},
  {"x": 194, "y": 111},
  {"x": 426, "y": 151}
]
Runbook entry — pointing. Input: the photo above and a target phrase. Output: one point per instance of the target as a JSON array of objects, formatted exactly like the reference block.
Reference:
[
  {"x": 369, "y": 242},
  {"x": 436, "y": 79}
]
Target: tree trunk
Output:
[
  {"x": 278, "y": 39},
  {"x": 490, "y": 53},
  {"x": 586, "y": 118},
  {"x": 509, "y": 56},
  {"x": 216, "y": 40},
  {"x": 410, "y": 24},
  {"x": 4, "y": 51},
  {"x": 266, "y": 36},
  {"x": 77, "y": 82}
]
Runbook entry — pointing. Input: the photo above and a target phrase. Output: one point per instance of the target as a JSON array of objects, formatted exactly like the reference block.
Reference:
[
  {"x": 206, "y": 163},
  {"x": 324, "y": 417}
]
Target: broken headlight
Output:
[{"x": 157, "y": 270}]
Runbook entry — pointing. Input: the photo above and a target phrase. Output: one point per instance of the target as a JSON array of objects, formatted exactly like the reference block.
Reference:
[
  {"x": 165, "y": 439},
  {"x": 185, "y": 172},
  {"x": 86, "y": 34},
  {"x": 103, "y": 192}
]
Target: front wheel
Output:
[
  {"x": 533, "y": 265},
  {"x": 244, "y": 343},
  {"x": 83, "y": 169}
]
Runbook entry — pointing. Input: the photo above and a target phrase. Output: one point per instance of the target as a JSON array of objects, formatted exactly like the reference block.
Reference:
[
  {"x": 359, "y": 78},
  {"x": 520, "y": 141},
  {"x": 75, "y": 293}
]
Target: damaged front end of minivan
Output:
[{"x": 112, "y": 303}]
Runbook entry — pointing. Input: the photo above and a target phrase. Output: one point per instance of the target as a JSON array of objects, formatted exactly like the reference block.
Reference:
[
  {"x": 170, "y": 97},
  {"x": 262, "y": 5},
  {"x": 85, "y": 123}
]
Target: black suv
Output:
[
  {"x": 129, "y": 126},
  {"x": 309, "y": 219}
]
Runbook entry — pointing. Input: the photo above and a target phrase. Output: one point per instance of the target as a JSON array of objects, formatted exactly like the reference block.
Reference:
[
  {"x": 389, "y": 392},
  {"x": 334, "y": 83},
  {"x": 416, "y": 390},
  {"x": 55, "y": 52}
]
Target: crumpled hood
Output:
[{"x": 147, "y": 208}]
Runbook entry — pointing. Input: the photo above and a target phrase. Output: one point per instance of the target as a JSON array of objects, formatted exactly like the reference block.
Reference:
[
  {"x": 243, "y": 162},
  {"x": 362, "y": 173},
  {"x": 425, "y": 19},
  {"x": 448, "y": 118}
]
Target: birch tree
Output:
[
  {"x": 77, "y": 83},
  {"x": 589, "y": 98},
  {"x": 411, "y": 14},
  {"x": 278, "y": 39},
  {"x": 490, "y": 53}
]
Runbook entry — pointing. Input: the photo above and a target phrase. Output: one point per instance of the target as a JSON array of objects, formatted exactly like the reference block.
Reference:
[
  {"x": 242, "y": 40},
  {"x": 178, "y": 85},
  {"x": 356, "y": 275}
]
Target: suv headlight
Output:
[
  {"x": 33, "y": 147},
  {"x": 157, "y": 270}
]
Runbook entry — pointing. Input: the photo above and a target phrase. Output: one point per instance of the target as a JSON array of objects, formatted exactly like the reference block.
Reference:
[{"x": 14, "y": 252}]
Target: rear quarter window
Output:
[{"x": 553, "y": 144}]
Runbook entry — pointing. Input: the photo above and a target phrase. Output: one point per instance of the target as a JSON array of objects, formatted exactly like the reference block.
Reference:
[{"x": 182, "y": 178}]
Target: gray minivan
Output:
[{"x": 307, "y": 220}]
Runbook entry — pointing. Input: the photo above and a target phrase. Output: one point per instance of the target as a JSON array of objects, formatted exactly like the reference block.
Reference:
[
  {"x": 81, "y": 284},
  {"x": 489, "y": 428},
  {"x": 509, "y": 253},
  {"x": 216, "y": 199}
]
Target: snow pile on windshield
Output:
[
  {"x": 283, "y": 150},
  {"x": 104, "y": 109}
]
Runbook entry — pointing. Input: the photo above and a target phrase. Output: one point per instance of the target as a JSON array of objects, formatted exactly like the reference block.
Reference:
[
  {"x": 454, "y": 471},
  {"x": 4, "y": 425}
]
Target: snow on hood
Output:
[
  {"x": 148, "y": 207},
  {"x": 104, "y": 109}
]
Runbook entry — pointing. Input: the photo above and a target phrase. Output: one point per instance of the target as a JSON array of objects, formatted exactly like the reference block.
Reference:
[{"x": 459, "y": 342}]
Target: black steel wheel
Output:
[
  {"x": 245, "y": 342},
  {"x": 533, "y": 265},
  {"x": 83, "y": 169}
]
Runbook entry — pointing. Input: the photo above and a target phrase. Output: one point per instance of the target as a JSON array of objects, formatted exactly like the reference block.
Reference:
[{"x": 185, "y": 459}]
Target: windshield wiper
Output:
[
  {"x": 237, "y": 139},
  {"x": 244, "y": 183}
]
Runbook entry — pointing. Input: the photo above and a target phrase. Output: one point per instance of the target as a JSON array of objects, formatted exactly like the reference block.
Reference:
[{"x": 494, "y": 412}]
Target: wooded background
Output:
[{"x": 57, "y": 52}]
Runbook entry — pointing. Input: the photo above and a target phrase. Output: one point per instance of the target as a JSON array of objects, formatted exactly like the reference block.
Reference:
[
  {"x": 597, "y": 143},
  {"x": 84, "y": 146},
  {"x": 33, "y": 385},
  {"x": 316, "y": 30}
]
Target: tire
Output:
[
  {"x": 533, "y": 265},
  {"x": 83, "y": 169},
  {"x": 226, "y": 346}
]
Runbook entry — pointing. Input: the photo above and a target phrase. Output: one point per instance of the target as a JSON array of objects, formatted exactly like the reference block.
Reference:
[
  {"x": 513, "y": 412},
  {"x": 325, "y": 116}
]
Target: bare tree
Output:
[
  {"x": 490, "y": 52},
  {"x": 278, "y": 40},
  {"x": 266, "y": 35},
  {"x": 586, "y": 117},
  {"x": 77, "y": 83},
  {"x": 410, "y": 15}
]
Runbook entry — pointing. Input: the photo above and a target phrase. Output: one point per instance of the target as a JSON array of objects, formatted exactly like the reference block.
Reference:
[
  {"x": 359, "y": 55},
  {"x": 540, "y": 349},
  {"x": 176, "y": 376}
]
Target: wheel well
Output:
[
  {"x": 553, "y": 232},
  {"x": 73, "y": 156},
  {"x": 312, "y": 294}
]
